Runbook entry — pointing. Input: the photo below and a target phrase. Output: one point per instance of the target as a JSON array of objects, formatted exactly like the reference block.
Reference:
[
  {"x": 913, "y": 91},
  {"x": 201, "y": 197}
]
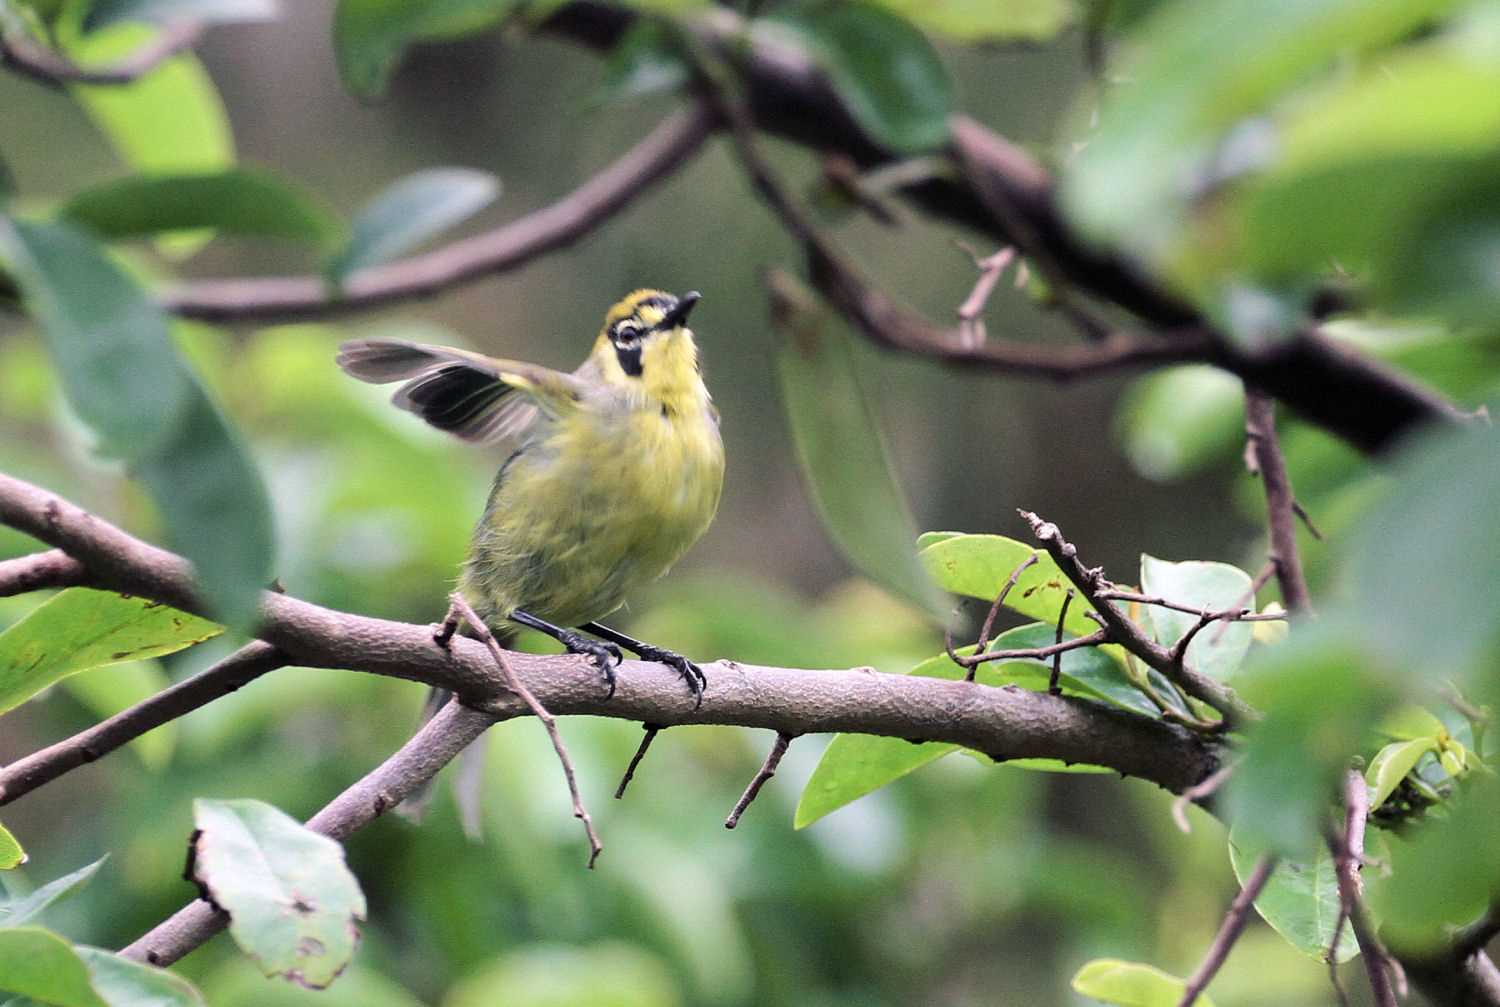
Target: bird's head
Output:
[{"x": 645, "y": 340}]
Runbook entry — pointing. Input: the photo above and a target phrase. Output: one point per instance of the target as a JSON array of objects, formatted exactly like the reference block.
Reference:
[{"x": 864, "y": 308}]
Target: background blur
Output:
[{"x": 961, "y": 885}]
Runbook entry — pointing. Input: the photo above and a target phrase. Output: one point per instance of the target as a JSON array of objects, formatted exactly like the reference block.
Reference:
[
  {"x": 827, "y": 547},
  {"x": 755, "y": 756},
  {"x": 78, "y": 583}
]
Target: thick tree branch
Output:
[
  {"x": 50, "y": 569},
  {"x": 1004, "y": 723},
  {"x": 1281, "y": 502},
  {"x": 238, "y": 669},
  {"x": 416, "y": 762},
  {"x": 488, "y": 254},
  {"x": 47, "y": 66}
]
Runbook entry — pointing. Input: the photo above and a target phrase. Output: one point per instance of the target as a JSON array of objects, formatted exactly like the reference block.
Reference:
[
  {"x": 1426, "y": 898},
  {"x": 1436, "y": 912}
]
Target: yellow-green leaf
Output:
[
  {"x": 1131, "y": 984},
  {"x": 978, "y": 566},
  {"x": 1390, "y": 766},
  {"x": 11, "y": 854}
]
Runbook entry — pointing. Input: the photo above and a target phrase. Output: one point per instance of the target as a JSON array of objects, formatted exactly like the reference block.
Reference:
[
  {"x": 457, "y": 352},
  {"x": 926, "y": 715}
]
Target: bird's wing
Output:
[{"x": 467, "y": 394}]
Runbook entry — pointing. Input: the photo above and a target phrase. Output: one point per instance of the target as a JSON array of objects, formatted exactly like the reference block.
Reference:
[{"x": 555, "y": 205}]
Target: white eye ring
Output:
[{"x": 627, "y": 333}]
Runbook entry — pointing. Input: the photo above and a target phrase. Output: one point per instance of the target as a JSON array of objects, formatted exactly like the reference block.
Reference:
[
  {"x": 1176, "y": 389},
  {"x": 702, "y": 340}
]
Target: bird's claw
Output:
[
  {"x": 605, "y": 655},
  {"x": 693, "y": 675}
]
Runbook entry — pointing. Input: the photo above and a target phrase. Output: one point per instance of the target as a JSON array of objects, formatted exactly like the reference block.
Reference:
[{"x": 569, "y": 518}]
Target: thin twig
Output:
[
  {"x": 1348, "y": 848},
  {"x": 652, "y": 730},
  {"x": 1200, "y": 791},
  {"x": 449, "y": 732},
  {"x": 989, "y": 619},
  {"x": 971, "y": 311},
  {"x": 767, "y": 770},
  {"x": 1332, "y": 956},
  {"x": 47, "y": 66},
  {"x": 1229, "y": 930},
  {"x": 41, "y": 570},
  {"x": 1281, "y": 518},
  {"x": 1247, "y": 600},
  {"x": 663, "y": 150},
  {"x": 1032, "y": 653},
  {"x": 482, "y": 632},
  {"x": 1239, "y": 613},
  {"x": 238, "y": 669},
  {"x": 1053, "y": 686}
]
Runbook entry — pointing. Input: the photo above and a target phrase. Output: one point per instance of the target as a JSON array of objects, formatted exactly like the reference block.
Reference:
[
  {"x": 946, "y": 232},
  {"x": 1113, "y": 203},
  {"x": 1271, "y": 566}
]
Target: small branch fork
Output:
[
  {"x": 47, "y": 66},
  {"x": 460, "y": 609},
  {"x": 767, "y": 770},
  {"x": 1229, "y": 930}
]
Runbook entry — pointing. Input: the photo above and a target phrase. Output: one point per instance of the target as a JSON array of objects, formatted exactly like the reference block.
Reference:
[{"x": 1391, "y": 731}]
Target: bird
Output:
[{"x": 615, "y": 470}]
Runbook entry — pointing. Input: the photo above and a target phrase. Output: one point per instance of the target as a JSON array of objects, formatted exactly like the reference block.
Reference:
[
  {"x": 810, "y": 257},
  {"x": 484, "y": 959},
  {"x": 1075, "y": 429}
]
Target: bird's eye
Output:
[{"x": 627, "y": 333}]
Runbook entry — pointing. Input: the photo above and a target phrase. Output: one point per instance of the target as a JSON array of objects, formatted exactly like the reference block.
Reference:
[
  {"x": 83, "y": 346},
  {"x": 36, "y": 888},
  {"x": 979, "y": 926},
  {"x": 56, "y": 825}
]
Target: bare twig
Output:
[
  {"x": 652, "y": 730},
  {"x": 971, "y": 311},
  {"x": 1247, "y": 600},
  {"x": 1239, "y": 613},
  {"x": 1053, "y": 688},
  {"x": 449, "y": 732},
  {"x": 1200, "y": 791},
  {"x": 1260, "y": 430},
  {"x": 1033, "y": 653},
  {"x": 767, "y": 770},
  {"x": 47, "y": 66},
  {"x": 50, "y": 569},
  {"x": 514, "y": 683},
  {"x": 552, "y": 227},
  {"x": 1331, "y": 956},
  {"x": 238, "y": 669},
  {"x": 1229, "y": 930},
  {"x": 1348, "y": 848},
  {"x": 989, "y": 619}
]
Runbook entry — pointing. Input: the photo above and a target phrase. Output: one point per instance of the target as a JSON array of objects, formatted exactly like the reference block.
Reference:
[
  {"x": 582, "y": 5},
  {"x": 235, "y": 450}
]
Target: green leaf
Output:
[
  {"x": 216, "y": 509},
  {"x": 647, "y": 60},
  {"x": 107, "y": 691},
  {"x": 1180, "y": 420},
  {"x": 844, "y": 459},
  {"x": 884, "y": 71},
  {"x": 1217, "y": 650},
  {"x": 1131, "y": 984},
  {"x": 371, "y": 36},
  {"x": 11, "y": 854},
  {"x": 411, "y": 211},
  {"x": 1143, "y": 168},
  {"x": 39, "y": 964},
  {"x": 1300, "y": 900},
  {"x": 603, "y": 974},
  {"x": 854, "y": 765},
  {"x": 104, "y": 13},
  {"x": 928, "y": 538},
  {"x": 1408, "y": 723},
  {"x": 114, "y": 355},
  {"x": 235, "y": 202},
  {"x": 977, "y": 566},
  {"x": 124, "y": 983},
  {"x": 293, "y": 905},
  {"x": 81, "y": 628},
  {"x": 986, "y": 20},
  {"x": 1390, "y": 766},
  {"x": 21, "y": 911}
]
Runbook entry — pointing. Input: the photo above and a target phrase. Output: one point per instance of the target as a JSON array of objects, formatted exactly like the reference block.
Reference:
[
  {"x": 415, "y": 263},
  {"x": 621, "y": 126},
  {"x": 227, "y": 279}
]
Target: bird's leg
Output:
[
  {"x": 605, "y": 655},
  {"x": 690, "y": 672}
]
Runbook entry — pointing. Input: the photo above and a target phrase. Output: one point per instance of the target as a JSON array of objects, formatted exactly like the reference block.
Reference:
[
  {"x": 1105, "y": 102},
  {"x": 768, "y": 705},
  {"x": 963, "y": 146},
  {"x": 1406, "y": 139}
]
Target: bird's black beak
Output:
[{"x": 680, "y": 311}]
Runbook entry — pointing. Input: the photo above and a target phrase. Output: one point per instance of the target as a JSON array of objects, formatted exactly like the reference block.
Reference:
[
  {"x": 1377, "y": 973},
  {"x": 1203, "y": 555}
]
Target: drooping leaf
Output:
[
  {"x": 240, "y": 202},
  {"x": 844, "y": 460},
  {"x": 1131, "y": 984},
  {"x": 103, "y": 13},
  {"x": 978, "y": 566},
  {"x": 1391, "y": 765},
  {"x": 125, "y": 983},
  {"x": 293, "y": 905},
  {"x": 884, "y": 70},
  {"x": 370, "y": 36},
  {"x": 107, "y": 691},
  {"x": 21, "y": 911},
  {"x": 411, "y": 211},
  {"x": 81, "y": 628},
  {"x": 110, "y": 341},
  {"x": 1217, "y": 650},
  {"x": 11, "y": 854},
  {"x": 986, "y": 20},
  {"x": 854, "y": 765},
  {"x": 216, "y": 509},
  {"x": 39, "y": 964},
  {"x": 1300, "y": 900}
]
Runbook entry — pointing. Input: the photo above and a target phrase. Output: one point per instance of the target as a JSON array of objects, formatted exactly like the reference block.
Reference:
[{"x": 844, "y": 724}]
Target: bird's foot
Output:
[
  {"x": 690, "y": 672},
  {"x": 605, "y": 655}
]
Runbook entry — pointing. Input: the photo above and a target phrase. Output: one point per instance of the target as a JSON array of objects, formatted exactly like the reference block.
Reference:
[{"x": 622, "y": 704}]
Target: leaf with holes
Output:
[
  {"x": 1217, "y": 650},
  {"x": 293, "y": 905},
  {"x": 1300, "y": 900},
  {"x": 81, "y": 628}
]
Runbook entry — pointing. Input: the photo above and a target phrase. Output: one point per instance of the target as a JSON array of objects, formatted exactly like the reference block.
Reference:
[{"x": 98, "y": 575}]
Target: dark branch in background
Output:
[
  {"x": 238, "y": 669},
  {"x": 51, "y": 569},
  {"x": 1281, "y": 502},
  {"x": 449, "y": 732},
  {"x": 583, "y": 210},
  {"x": 764, "y": 774},
  {"x": 47, "y": 66},
  {"x": 1348, "y": 848},
  {"x": 1229, "y": 930}
]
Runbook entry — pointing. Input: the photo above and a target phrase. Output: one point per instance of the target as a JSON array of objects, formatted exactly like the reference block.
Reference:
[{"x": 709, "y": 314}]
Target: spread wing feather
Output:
[{"x": 478, "y": 398}]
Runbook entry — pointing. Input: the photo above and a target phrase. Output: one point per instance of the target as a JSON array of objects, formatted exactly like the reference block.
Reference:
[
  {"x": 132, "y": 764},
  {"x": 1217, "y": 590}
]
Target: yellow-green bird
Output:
[{"x": 616, "y": 469}]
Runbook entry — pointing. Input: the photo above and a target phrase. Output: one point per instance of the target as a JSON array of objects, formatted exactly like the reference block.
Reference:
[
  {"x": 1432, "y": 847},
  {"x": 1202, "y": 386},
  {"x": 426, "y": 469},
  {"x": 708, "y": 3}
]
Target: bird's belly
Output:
[{"x": 585, "y": 515}]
